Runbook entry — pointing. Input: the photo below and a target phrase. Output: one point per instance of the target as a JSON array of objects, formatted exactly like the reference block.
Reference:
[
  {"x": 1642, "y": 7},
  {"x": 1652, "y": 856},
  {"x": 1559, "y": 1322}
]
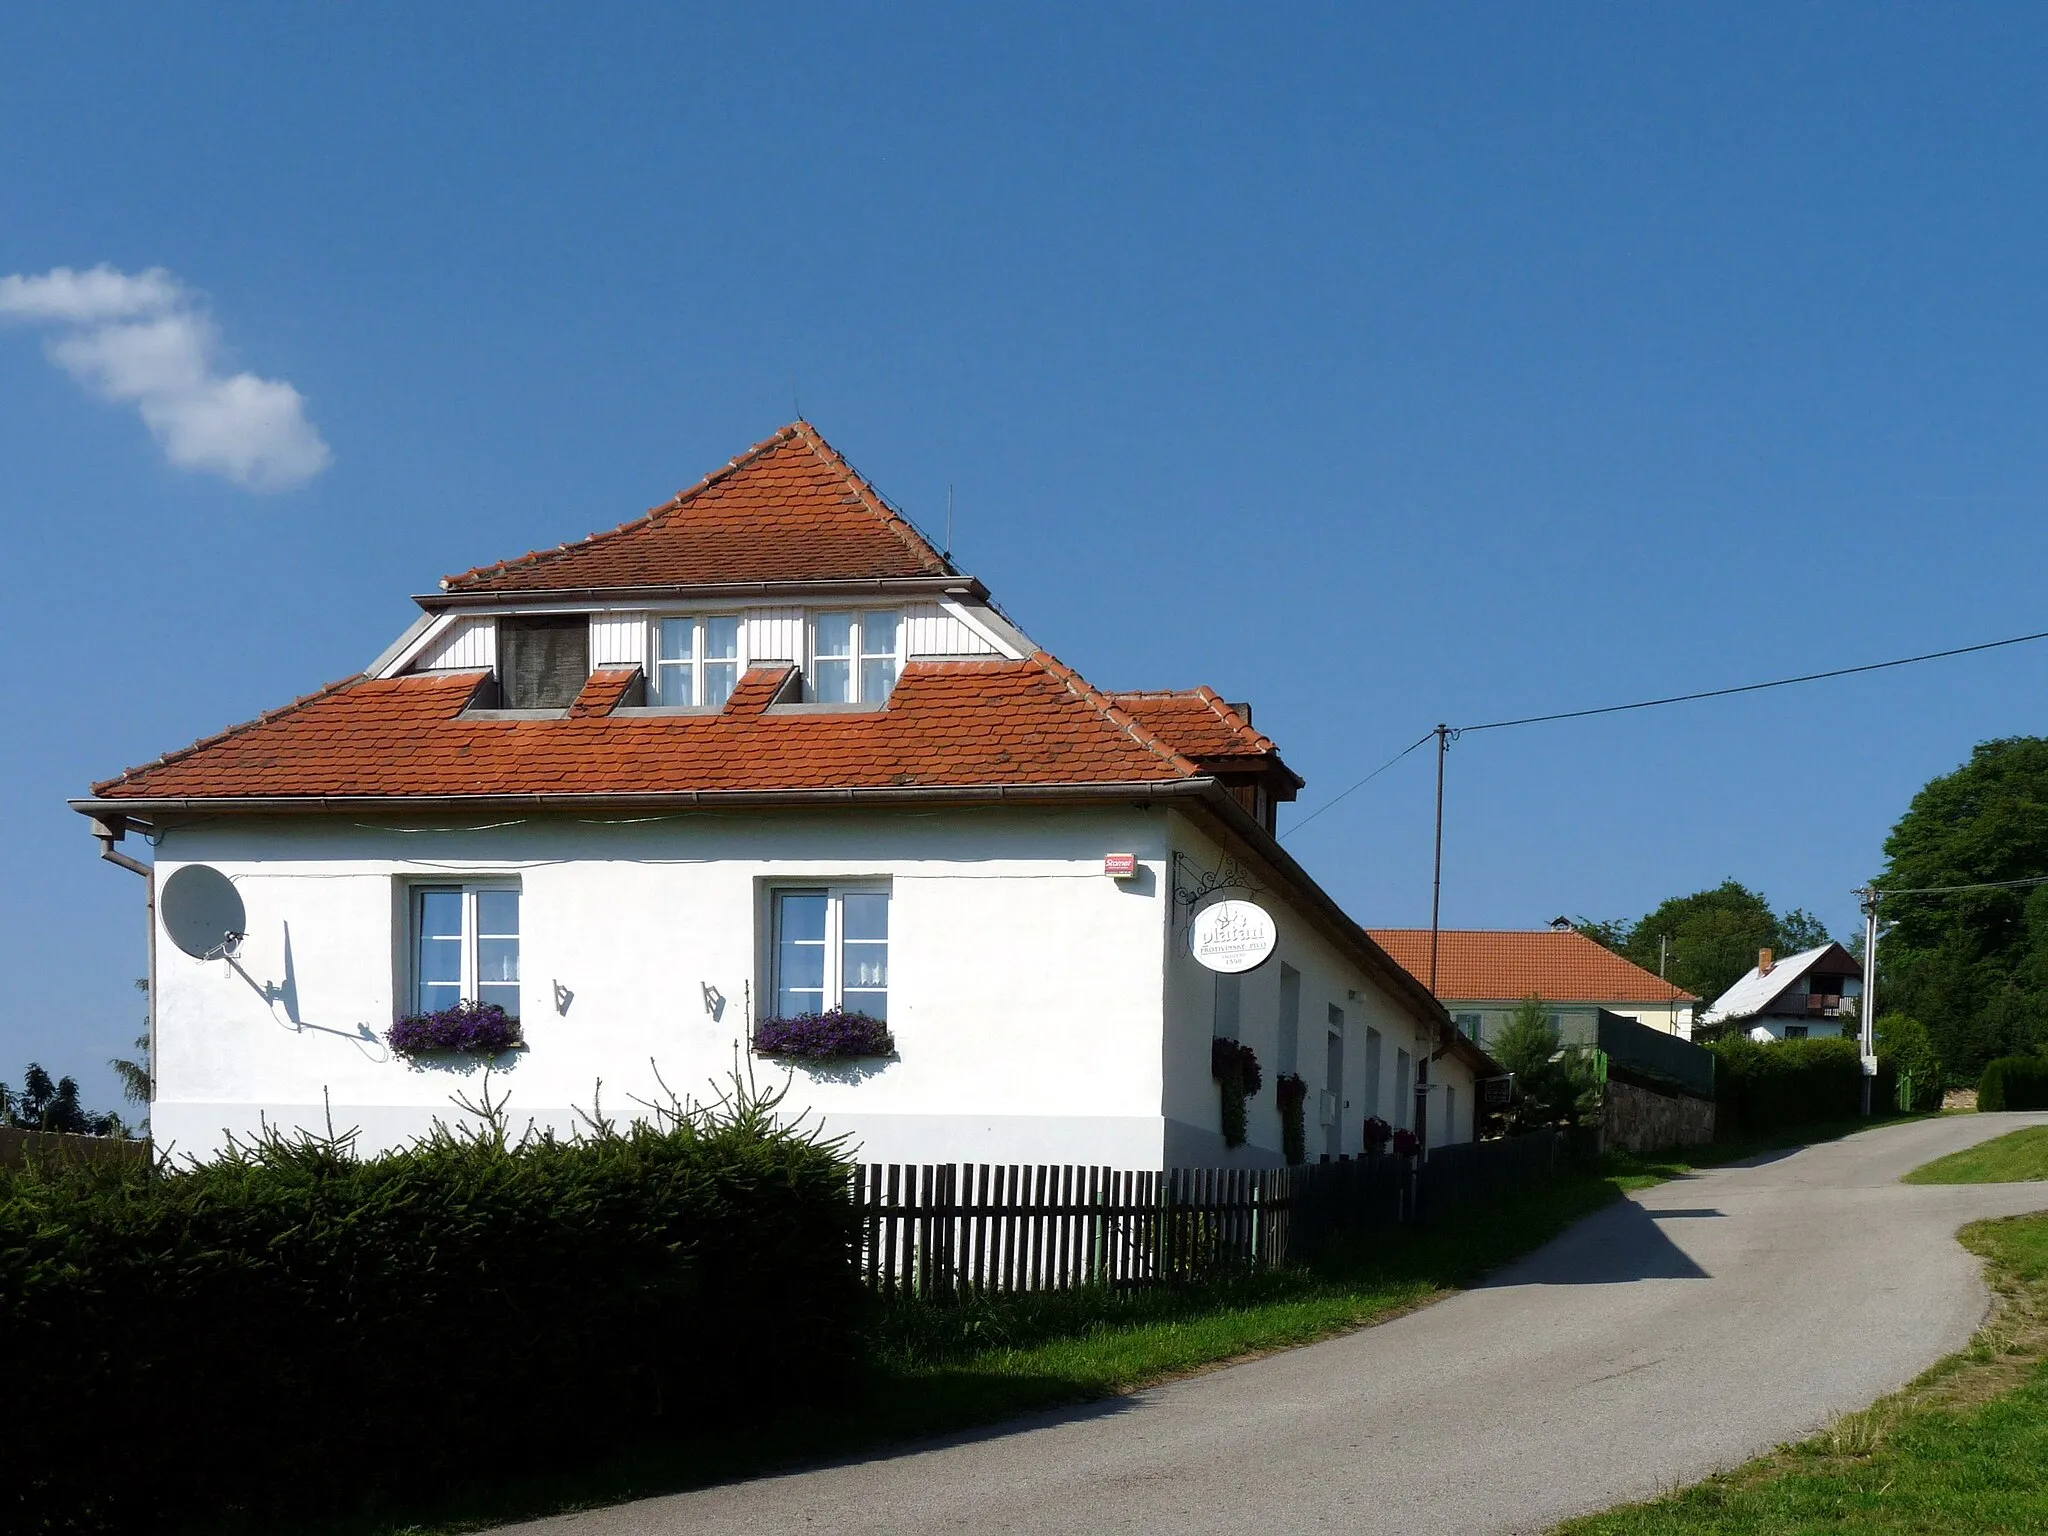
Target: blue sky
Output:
[{"x": 1379, "y": 365}]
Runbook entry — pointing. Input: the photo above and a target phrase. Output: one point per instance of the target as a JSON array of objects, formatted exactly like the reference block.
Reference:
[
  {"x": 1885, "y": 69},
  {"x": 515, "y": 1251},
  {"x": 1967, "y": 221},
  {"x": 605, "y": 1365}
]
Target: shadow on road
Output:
[{"x": 1614, "y": 1246}]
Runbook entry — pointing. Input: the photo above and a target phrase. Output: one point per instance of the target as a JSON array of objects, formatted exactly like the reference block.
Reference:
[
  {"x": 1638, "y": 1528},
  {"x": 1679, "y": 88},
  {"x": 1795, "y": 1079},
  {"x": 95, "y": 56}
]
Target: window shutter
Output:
[{"x": 543, "y": 662}]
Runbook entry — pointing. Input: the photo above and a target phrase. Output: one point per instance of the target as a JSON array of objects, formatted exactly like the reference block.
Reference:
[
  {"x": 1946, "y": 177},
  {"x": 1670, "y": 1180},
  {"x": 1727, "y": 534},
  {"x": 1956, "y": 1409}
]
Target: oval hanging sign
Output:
[{"x": 1232, "y": 936}]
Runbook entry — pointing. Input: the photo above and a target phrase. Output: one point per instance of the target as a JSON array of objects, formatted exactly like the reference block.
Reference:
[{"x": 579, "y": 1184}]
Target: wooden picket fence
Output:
[
  {"x": 936, "y": 1228},
  {"x": 939, "y": 1229}
]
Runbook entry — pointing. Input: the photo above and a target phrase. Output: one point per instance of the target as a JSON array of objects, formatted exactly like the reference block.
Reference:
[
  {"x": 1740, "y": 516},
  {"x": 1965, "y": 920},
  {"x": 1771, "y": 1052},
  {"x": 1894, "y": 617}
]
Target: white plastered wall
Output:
[
  {"x": 1329, "y": 977},
  {"x": 1025, "y": 990}
]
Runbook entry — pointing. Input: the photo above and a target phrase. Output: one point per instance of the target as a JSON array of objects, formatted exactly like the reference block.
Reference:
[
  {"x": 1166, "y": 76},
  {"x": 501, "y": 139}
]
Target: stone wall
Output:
[{"x": 1637, "y": 1119}]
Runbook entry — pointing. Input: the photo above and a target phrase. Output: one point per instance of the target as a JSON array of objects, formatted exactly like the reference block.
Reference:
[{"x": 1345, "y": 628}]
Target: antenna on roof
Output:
[
  {"x": 794, "y": 403},
  {"x": 949, "y": 523}
]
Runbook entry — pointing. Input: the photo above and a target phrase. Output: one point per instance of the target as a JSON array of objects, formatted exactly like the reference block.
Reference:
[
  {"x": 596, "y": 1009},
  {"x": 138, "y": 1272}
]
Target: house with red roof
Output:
[
  {"x": 1484, "y": 974},
  {"x": 764, "y": 754}
]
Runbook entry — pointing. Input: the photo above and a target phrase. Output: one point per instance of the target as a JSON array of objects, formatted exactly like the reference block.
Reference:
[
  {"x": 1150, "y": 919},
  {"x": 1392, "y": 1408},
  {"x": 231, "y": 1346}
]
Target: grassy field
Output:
[
  {"x": 2010, "y": 1159},
  {"x": 935, "y": 1369},
  {"x": 1965, "y": 1448}
]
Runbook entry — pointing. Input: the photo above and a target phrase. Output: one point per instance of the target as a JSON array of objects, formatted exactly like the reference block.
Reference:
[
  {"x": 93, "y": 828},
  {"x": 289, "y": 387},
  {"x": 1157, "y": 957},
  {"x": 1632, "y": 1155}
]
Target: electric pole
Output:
[{"x": 1866, "y": 1007}]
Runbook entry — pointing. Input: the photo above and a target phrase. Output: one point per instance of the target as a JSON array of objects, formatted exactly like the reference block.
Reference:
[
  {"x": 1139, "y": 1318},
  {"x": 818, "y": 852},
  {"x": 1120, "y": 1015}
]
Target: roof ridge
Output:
[
  {"x": 871, "y": 498},
  {"x": 1088, "y": 692},
  {"x": 240, "y": 728},
  {"x": 1227, "y": 712}
]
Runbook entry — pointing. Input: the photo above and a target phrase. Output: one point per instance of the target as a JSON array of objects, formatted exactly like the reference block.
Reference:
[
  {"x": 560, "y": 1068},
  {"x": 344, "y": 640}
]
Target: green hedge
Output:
[
  {"x": 289, "y": 1328},
  {"x": 1762, "y": 1087},
  {"x": 2014, "y": 1082}
]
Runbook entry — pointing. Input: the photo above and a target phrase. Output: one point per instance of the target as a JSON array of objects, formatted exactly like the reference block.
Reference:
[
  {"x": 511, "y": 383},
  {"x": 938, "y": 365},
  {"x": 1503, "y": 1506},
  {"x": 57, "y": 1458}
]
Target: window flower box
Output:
[
  {"x": 466, "y": 1029},
  {"x": 834, "y": 1035}
]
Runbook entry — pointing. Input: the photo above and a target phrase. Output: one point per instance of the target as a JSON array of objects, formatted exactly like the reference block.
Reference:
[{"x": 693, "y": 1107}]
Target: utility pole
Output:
[
  {"x": 1436, "y": 902},
  {"x": 1663, "y": 953},
  {"x": 1866, "y": 1008}
]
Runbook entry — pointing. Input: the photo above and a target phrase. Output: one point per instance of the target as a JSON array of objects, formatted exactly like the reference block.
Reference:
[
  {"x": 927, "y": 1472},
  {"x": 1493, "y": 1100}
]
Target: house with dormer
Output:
[{"x": 761, "y": 753}]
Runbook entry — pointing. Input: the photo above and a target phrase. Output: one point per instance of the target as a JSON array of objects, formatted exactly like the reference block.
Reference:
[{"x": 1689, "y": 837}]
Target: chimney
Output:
[{"x": 1764, "y": 962}]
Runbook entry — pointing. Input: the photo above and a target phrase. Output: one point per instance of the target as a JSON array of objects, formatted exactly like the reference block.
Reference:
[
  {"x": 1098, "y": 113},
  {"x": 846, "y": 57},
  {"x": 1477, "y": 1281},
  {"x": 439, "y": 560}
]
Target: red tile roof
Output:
[
  {"x": 1200, "y": 723},
  {"x": 954, "y": 723},
  {"x": 788, "y": 509},
  {"x": 603, "y": 691},
  {"x": 1486, "y": 965}
]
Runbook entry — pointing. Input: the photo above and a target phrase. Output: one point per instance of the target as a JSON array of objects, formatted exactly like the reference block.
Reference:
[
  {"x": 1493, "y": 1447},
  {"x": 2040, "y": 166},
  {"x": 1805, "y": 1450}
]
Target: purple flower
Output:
[
  {"x": 1406, "y": 1144},
  {"x": 834, "y": 1035},
  {"x": 482, "y": 1029}
]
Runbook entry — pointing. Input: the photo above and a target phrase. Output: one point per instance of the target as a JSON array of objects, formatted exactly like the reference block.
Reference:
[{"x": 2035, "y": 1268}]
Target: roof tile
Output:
[
  {"x": 1484, "y": 964},
  {"x": 788, "y": 509}
]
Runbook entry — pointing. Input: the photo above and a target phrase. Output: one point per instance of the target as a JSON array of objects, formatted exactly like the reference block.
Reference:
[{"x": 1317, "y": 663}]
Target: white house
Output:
[
  {"x": 760, "y": 752},
  {"x": 1812, "y": 994}
]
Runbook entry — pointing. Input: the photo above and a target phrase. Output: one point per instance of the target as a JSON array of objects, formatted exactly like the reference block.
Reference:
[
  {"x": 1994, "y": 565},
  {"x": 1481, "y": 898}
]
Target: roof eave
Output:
[
  {"x": 514, "y": 597},
  {"x": 1112, "y": 790}
]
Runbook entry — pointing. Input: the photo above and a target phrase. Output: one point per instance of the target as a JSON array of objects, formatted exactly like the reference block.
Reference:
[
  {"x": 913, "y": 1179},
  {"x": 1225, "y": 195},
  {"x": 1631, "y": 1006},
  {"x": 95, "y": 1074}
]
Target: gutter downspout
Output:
[{"x": 110, "y": 831}]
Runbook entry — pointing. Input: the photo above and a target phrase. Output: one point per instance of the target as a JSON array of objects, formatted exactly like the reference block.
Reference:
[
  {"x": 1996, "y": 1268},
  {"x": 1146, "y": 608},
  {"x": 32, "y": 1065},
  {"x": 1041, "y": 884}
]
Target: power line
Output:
[
  {"x": 1943, "y": 890},
  {"x": 1782, "y": 682},
  {"x": 1383, "y": 767},
  {"x": 1677, "y": 698}
]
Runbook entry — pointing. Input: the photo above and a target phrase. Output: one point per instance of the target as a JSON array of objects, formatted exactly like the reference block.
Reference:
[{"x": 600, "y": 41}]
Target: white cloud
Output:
[{"x": 144, "y": 339}]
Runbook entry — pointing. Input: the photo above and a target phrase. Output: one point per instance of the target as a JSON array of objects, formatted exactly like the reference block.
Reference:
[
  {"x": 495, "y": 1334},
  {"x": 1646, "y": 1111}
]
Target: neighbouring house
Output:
[
  {"x": 1484, "y": 974},
  {"x": 760, "y": 754},
  {"x": 1812, "y": 994}
]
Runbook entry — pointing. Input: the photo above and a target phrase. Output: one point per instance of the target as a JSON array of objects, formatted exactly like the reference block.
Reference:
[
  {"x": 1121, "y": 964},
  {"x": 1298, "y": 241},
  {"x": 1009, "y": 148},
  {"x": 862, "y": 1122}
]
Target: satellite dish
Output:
[{"x": 202, "y": 912}]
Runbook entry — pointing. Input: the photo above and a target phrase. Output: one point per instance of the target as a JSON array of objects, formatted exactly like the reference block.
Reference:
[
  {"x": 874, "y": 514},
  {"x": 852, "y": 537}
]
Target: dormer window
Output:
[
  {"x": 696, "y": 660},
  {"x": 855, "y": 657}
]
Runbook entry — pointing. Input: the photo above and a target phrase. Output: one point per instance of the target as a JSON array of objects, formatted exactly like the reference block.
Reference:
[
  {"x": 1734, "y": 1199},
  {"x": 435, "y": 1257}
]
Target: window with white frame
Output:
[
  {"x": 831, "y": 950},
  {"x": 696, "y": 660},
  {"x": 855, "y": 656},
  {"x": 465, "y": 946}
]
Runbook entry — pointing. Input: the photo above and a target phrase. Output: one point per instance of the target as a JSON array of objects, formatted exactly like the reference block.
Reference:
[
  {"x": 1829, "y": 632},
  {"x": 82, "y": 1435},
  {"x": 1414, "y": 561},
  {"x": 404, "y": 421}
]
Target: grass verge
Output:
[
  {"x": 2010, "y": 1159},
  {"x": 1964, "y": 1448},
  {"x": 935, "y": 1370}
]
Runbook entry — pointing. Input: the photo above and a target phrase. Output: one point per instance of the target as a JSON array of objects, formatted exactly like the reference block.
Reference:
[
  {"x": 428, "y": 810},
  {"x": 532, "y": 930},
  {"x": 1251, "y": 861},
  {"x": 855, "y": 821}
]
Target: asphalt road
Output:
[{"x": 1671, "y": 1335}]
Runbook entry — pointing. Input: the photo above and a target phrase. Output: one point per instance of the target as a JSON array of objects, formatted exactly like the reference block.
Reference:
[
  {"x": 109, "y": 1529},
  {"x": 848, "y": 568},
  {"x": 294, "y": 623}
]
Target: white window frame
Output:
[
  {"x": 471, "y": 934},
  {"x": 835, "y": 893},
  {"x": 858, "y": 654},
  {"x": 692, "y": 666}
]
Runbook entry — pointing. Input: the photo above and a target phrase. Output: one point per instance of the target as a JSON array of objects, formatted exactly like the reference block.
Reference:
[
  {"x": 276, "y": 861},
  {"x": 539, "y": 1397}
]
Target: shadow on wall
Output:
[{"x": 1612, "y": 1247}]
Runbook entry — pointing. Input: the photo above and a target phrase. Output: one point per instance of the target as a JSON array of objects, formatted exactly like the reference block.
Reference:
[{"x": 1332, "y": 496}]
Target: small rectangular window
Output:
[
  {"x": 696, "y": 661},
  {"x": 1290, "y": 1019},
  {"x": 855, "y": 657},
  {"x": 832, "y": 659},
  {"x": 465, "y": 946},
  {"x": 878, "y": 664},
  {"x": 831, "y": 950},
  {"x": 1229, "y": 1005}
]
